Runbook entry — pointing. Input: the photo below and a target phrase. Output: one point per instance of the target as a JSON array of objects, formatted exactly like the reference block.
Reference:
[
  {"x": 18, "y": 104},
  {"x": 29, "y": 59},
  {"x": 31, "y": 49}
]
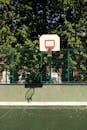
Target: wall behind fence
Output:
[{"x": 33, "y": 66}]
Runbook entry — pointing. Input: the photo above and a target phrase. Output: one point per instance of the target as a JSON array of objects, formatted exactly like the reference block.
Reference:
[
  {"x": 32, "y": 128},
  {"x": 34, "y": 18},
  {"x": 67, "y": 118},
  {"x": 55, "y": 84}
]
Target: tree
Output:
[{"x": 22, "y": 21}]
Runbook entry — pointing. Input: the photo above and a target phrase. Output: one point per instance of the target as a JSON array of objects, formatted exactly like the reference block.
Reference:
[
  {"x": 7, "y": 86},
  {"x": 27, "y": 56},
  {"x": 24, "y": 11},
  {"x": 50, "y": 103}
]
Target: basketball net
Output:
[{"x": 49, "y": 45}]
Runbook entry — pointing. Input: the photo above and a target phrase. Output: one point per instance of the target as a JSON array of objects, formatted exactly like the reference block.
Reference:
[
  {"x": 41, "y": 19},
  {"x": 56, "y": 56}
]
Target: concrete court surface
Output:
[{"x": 45, "y": 93}]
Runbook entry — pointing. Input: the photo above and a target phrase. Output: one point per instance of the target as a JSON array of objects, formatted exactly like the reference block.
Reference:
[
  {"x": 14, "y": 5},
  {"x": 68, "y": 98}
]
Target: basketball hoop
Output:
[
  {"x": 49, "y": 45},
  {"x": 49, "y": 42}
]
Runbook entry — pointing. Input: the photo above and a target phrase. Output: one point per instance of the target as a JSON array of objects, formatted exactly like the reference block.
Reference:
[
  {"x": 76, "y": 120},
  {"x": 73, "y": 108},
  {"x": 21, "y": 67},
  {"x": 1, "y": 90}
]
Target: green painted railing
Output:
[{"x": 33, "y": 66}]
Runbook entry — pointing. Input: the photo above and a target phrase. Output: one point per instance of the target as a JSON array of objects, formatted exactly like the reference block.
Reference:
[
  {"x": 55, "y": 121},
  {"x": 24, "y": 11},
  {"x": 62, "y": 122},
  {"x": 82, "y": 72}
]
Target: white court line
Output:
[{"x": 43, "y": 103}]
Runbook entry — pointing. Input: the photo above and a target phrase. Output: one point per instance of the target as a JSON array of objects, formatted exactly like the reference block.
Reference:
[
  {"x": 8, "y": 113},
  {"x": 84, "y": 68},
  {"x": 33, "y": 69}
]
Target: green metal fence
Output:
[
  {"x": 32, "y": 66},
  {"x": 71, "y": 64}
]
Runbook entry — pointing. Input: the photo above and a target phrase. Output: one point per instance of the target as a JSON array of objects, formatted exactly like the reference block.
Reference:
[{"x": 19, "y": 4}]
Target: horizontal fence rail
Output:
[{"x": 32, "y": 66}]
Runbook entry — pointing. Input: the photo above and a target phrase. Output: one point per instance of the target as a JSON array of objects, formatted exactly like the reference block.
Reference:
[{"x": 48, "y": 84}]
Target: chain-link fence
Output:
[{"x": 32, "y": 66}]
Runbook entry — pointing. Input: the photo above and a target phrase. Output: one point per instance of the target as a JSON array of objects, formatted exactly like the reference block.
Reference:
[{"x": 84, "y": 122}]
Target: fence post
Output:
[
  {"x": 68, "y": 65},
  {"x": 41, "y": 59},
  {"x": 12, "y": 62}
]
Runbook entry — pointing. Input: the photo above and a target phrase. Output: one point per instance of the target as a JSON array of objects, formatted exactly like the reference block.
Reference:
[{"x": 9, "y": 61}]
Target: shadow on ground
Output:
[{"x": 33, "y": 85}]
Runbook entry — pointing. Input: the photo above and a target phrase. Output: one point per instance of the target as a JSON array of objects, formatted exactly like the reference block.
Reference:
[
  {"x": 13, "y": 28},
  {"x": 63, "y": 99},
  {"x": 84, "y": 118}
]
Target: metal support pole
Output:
[
  {"x": 50, "y": 60},
  {"x": 50, "y": 68}
]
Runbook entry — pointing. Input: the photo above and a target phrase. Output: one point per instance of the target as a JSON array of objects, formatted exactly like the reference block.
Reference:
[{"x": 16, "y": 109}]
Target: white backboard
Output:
[{"x": 49, "y": 41}]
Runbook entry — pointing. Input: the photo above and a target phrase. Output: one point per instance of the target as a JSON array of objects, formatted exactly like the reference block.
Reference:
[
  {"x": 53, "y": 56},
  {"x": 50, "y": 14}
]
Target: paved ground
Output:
[{"x": 45, "y": 93}]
